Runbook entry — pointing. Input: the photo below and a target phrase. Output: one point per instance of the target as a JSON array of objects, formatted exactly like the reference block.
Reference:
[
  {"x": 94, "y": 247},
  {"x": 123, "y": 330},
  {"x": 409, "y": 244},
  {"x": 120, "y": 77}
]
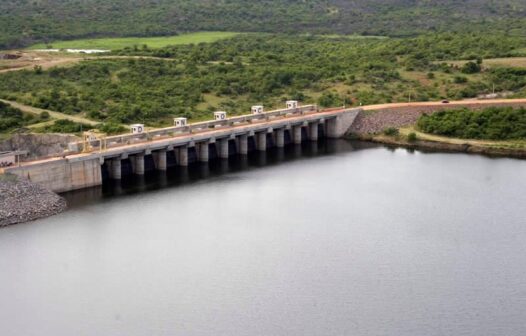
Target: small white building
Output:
[
  {"x": 137, "y": 128},
  {"x": 220, "y": 115},
  {"x": 180, "y": 122},
  {"x": 291, "y": 104},
  {"x": 257, "y": 109}
]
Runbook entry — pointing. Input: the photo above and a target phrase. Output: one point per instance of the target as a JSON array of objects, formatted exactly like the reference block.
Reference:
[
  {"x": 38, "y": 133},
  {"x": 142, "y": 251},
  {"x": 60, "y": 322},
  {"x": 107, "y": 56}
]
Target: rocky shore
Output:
[
  {"x": 371, "y": 124},
  {"x": 437, "y": 146},
  {"x": 23, "y": 201}
]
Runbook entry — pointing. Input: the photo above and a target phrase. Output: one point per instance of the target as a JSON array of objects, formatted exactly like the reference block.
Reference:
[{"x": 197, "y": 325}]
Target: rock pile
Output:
[
  {"x": 376, "y": 122},
  {"x": 22, "y": 201}
]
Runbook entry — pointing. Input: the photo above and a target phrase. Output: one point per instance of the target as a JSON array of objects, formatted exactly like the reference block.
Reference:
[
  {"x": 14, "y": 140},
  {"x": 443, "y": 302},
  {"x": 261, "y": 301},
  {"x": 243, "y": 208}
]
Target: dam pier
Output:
[{"x": 86, "y": 163}]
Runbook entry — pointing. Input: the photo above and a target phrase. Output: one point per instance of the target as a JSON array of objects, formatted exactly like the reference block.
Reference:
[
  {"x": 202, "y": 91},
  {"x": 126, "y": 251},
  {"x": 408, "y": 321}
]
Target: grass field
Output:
[
  {"x": 123, "y": 42},
  {"x": 493, "y": 62},
  {"x": 354, "y": 36}
]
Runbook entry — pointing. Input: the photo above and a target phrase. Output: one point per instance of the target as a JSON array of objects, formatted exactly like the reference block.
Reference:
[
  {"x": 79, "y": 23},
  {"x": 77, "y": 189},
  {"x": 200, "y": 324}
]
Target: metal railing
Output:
[{"x": 129, "y": 139}]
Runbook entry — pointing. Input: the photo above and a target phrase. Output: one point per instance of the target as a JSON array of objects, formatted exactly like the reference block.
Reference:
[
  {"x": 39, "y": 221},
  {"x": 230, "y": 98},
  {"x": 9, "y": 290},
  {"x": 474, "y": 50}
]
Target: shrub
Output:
[
  {"x": 112, "y": 128},
  {"x": 471, "y": 68},
  {"x": 411, "y": 137},
  {"x": 64, "y": 126},
  {"x": 460, "y": 80},
  {"x": 44, "y": 115},
  {"x": 494, "y": 123},
  {"x": 391, "y": 131}
]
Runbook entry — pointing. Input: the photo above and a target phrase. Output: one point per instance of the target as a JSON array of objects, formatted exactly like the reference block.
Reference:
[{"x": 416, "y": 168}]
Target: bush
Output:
[
  {"x": 44, "y": 115},
  {"x": 112, "y": 128},
  {"x": 64, "y": 126},
  {"x": 411, "y": 137},
  {"x": 494, "y": 123},
  {"x": 391, "y": 131},
  {"x": 460, "y": 80},
  {"x": 471, "y": 68}
]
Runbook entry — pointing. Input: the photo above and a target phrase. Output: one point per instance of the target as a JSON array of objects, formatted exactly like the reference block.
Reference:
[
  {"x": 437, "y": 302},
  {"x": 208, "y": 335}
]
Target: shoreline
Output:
[
  {"x": 22, "y": 201},
  {"x": 439, "y": 146}
]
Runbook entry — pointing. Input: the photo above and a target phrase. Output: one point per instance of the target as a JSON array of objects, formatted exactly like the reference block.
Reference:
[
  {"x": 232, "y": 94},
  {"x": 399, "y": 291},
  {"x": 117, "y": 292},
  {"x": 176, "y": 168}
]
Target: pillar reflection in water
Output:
[{"x": 177, "y": 175}]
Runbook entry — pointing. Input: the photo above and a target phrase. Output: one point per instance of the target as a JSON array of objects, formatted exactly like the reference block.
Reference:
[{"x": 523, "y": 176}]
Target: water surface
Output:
[{"x": 338, "y": 238}]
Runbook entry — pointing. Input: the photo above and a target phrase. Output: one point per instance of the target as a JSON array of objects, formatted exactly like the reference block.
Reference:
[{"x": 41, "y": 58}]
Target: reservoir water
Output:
[{"x": 336, "y": 238}]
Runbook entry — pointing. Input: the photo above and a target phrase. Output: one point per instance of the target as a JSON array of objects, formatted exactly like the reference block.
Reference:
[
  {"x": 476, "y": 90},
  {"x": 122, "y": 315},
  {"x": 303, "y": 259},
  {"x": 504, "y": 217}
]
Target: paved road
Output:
[{"x": 459, "y": 103}]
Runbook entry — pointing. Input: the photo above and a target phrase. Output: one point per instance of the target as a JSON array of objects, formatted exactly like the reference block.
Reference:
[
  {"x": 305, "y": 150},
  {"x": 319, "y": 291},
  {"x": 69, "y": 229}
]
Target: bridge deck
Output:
[{"x": 180, "y": 139}]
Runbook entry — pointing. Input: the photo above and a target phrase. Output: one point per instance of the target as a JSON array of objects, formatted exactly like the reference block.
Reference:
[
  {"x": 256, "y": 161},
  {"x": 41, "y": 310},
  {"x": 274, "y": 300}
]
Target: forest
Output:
[
  {"x": 495, "y": 123},
  {"x": 233, "y": 74},
  {"x": 23, "y": 22}
]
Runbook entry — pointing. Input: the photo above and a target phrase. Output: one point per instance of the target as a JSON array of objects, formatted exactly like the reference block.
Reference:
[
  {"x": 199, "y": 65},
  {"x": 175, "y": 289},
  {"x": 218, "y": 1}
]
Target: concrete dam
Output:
[{"x": 85, "y": 163}]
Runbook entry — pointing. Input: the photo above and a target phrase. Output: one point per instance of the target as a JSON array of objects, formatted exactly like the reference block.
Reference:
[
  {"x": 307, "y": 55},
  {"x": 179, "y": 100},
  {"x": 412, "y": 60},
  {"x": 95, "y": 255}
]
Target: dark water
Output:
[{"x": 338, "y": 239}]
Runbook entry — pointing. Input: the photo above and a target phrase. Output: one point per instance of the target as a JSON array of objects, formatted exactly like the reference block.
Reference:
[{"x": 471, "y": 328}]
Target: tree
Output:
[{"x": 471, "y": 68}]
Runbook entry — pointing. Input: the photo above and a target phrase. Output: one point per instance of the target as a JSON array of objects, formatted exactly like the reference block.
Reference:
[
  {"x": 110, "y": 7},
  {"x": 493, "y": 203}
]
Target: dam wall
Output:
[
  {"x": 81, "y": 166},
  {"x": 80, "y": 169},
  {"x": 62, "y": 175}
]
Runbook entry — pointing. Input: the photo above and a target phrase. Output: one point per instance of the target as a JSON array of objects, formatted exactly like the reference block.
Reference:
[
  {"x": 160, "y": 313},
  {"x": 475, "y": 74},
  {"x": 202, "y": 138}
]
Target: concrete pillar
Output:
[
  {"x": 203, "y": 151},
  {"x": 261, "y": 141},
  {"x": 296, "y": 134},
  {"x": 139, "y": 164},
  {"x": 313, "y": 131},
  {"x": 243, "y": 144},
  {"x": 116, "y": 170},
  {"x": 280, "y": 138},
  {"x": 333, "y": 127},
  {"x": 223, "y": 148},
  {"x": 182, "y": 157},
  {"x": 160, "y": 163}
]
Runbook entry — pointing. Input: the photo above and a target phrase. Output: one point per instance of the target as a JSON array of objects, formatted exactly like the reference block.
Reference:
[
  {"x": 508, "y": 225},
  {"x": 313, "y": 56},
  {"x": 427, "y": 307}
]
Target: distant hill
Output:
[{"x": 26, "y": 21}]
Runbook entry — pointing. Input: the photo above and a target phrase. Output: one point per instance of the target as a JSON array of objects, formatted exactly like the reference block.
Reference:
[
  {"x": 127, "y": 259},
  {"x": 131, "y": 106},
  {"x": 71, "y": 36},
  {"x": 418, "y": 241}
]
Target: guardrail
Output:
[{"x": 128, "y": 139}]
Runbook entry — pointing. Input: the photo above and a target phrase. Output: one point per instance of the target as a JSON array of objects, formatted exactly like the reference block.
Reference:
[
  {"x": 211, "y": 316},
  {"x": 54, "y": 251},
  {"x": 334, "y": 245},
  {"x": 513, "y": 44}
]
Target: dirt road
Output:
[{"x": 53, "y": 114}]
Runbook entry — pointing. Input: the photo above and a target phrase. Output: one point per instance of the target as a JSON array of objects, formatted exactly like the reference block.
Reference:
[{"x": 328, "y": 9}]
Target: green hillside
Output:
[
  {"x": 233, "y": 74},
  {"x": 23, "y": 22}
]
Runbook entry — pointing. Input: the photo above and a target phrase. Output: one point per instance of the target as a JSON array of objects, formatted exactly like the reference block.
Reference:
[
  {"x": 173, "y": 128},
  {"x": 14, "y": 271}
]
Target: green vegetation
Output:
[
  {"x": 12, "y": 118},
  {"x": 471, "y": 68},
  {"x": 64, "y": 126},
  {"x": 68, "y": 126},
  {"x": 494, "y": 123},
  {"x": 412, "y": 137},
  {"x": 25, "y": 22},
  {"x": 131, "y": 42},
  {"x": 391, "y": 131},
  {"x": 233, "y": 74}
]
